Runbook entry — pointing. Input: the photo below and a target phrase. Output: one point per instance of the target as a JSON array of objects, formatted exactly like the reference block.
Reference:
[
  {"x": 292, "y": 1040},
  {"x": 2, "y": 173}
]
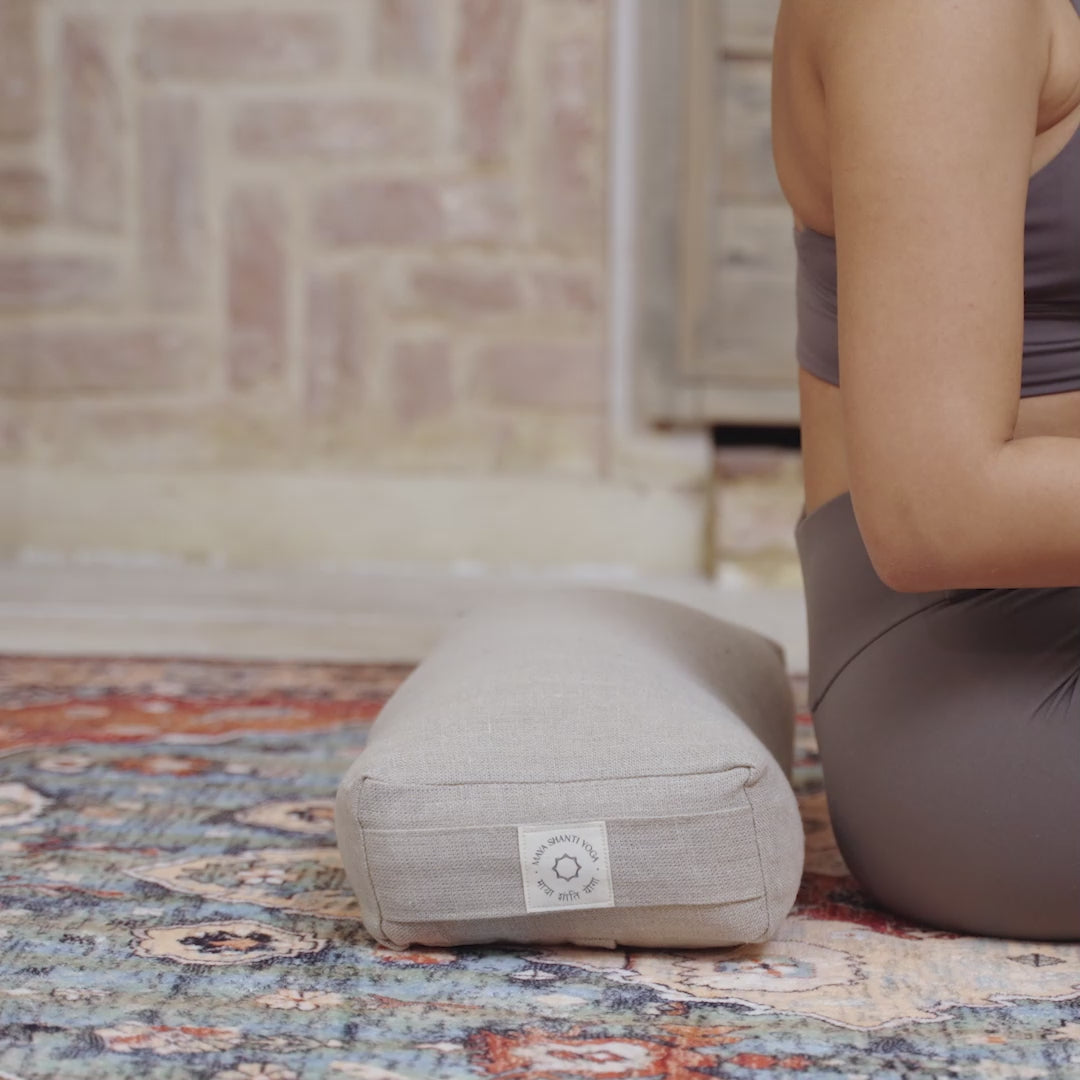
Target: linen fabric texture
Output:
[{"x": 582, "y": 765}]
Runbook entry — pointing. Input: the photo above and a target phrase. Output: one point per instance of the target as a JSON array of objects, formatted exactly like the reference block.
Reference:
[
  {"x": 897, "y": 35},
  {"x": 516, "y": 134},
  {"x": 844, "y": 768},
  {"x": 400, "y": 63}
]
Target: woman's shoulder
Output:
[
  {"x": 820, "y": 26},
  {"x": 900, "y": 63}
]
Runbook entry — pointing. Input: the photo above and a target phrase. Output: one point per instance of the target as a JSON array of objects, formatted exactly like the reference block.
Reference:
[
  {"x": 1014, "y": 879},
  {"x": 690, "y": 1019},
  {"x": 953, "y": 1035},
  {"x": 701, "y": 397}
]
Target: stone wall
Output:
[
  {"x": 346, "y": 234},
  {"x": 310, "y": 280}
]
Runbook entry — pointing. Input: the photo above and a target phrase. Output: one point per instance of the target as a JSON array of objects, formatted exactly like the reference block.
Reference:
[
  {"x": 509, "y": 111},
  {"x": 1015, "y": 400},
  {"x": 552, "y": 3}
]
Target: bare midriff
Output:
[{"x": 800, "y": 138}]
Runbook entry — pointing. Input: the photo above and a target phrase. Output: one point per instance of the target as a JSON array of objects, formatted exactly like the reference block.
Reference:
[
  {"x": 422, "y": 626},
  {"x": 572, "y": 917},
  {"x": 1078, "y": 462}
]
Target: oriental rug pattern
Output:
[{"x": 172, "y": 905}]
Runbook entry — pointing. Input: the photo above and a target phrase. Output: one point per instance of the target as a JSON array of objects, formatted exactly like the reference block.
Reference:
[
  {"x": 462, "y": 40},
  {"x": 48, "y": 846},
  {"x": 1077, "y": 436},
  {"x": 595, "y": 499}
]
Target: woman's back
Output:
[{"x": 804, "y": 34}]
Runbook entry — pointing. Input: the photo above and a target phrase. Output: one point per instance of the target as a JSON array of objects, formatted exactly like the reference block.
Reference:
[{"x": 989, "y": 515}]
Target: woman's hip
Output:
[{"x": 949, "y": 732}]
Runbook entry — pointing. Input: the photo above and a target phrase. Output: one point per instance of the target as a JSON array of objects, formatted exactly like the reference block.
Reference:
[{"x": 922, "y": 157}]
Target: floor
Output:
[
  {"x": 99, "y": 610},
  {"x": 174, "y": 908}
]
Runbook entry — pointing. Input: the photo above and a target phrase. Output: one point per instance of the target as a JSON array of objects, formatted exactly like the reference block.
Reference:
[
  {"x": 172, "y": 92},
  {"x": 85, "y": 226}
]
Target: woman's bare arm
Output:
[{"x": 932, "y": 112}]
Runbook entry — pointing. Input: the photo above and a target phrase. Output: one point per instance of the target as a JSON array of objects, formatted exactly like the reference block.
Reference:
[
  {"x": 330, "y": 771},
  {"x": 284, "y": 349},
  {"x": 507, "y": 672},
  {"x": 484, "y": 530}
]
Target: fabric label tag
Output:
[{"x": 564, "y": 867}]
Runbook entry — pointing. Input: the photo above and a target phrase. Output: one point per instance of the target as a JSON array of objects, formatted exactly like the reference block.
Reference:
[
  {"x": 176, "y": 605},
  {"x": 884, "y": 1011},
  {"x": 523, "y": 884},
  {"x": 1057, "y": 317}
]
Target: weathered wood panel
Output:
[
  {"x": 751, "y": 330},
  {"x": 746, "y": 169},
  {"x": 747, "y": 26},
  {"x": 716, "y": 326}
]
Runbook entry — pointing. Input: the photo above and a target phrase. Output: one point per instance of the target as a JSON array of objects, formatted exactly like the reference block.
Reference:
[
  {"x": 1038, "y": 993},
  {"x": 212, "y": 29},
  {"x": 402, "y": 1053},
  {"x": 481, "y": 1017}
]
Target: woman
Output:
[{"x": 930, "y": 151}]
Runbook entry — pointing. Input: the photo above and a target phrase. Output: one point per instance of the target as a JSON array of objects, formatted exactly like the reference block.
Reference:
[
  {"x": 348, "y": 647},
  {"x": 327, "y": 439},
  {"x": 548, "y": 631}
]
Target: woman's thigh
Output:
[{"x": 951, "y": 751}]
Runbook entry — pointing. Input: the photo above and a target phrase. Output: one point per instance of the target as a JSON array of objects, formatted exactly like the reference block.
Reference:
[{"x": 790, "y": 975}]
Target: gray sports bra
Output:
[{"x": 1051, "y": 361}]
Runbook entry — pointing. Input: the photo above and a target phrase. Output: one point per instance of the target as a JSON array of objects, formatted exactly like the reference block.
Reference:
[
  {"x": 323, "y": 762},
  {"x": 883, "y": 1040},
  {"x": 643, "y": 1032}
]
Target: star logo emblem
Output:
[{"x": 568, "y": 859}]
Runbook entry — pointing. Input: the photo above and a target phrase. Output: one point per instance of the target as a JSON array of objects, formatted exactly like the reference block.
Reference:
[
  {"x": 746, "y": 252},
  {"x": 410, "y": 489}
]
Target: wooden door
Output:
[{"x": 715, "y": 311}]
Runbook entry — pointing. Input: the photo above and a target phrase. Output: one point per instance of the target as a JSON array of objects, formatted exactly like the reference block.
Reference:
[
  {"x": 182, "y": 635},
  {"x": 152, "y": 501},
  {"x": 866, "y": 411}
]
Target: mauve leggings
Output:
[{"x": 949, "y": 730}]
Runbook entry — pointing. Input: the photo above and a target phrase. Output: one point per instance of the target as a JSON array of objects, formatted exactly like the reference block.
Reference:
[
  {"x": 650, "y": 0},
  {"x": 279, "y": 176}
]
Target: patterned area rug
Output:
[{"x": 172, "y": 905}]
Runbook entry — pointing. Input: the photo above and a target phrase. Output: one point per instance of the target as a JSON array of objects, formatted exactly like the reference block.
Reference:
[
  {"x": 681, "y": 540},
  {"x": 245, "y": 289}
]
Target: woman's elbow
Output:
[
  {"x": 907, "y": 571},
  {"x": 907, "y": 556}
]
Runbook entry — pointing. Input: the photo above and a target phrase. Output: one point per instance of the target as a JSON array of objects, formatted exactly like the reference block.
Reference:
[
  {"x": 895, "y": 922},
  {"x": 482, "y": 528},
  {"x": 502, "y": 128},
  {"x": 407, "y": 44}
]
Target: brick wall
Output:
[{"x": 328, "y": 234}]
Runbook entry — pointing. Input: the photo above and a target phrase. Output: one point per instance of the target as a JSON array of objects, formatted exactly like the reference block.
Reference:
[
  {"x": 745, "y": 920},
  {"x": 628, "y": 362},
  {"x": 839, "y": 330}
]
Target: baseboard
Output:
[
  {"x": 266, "y": 519},
  {"x": 186, "y": 611}
]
